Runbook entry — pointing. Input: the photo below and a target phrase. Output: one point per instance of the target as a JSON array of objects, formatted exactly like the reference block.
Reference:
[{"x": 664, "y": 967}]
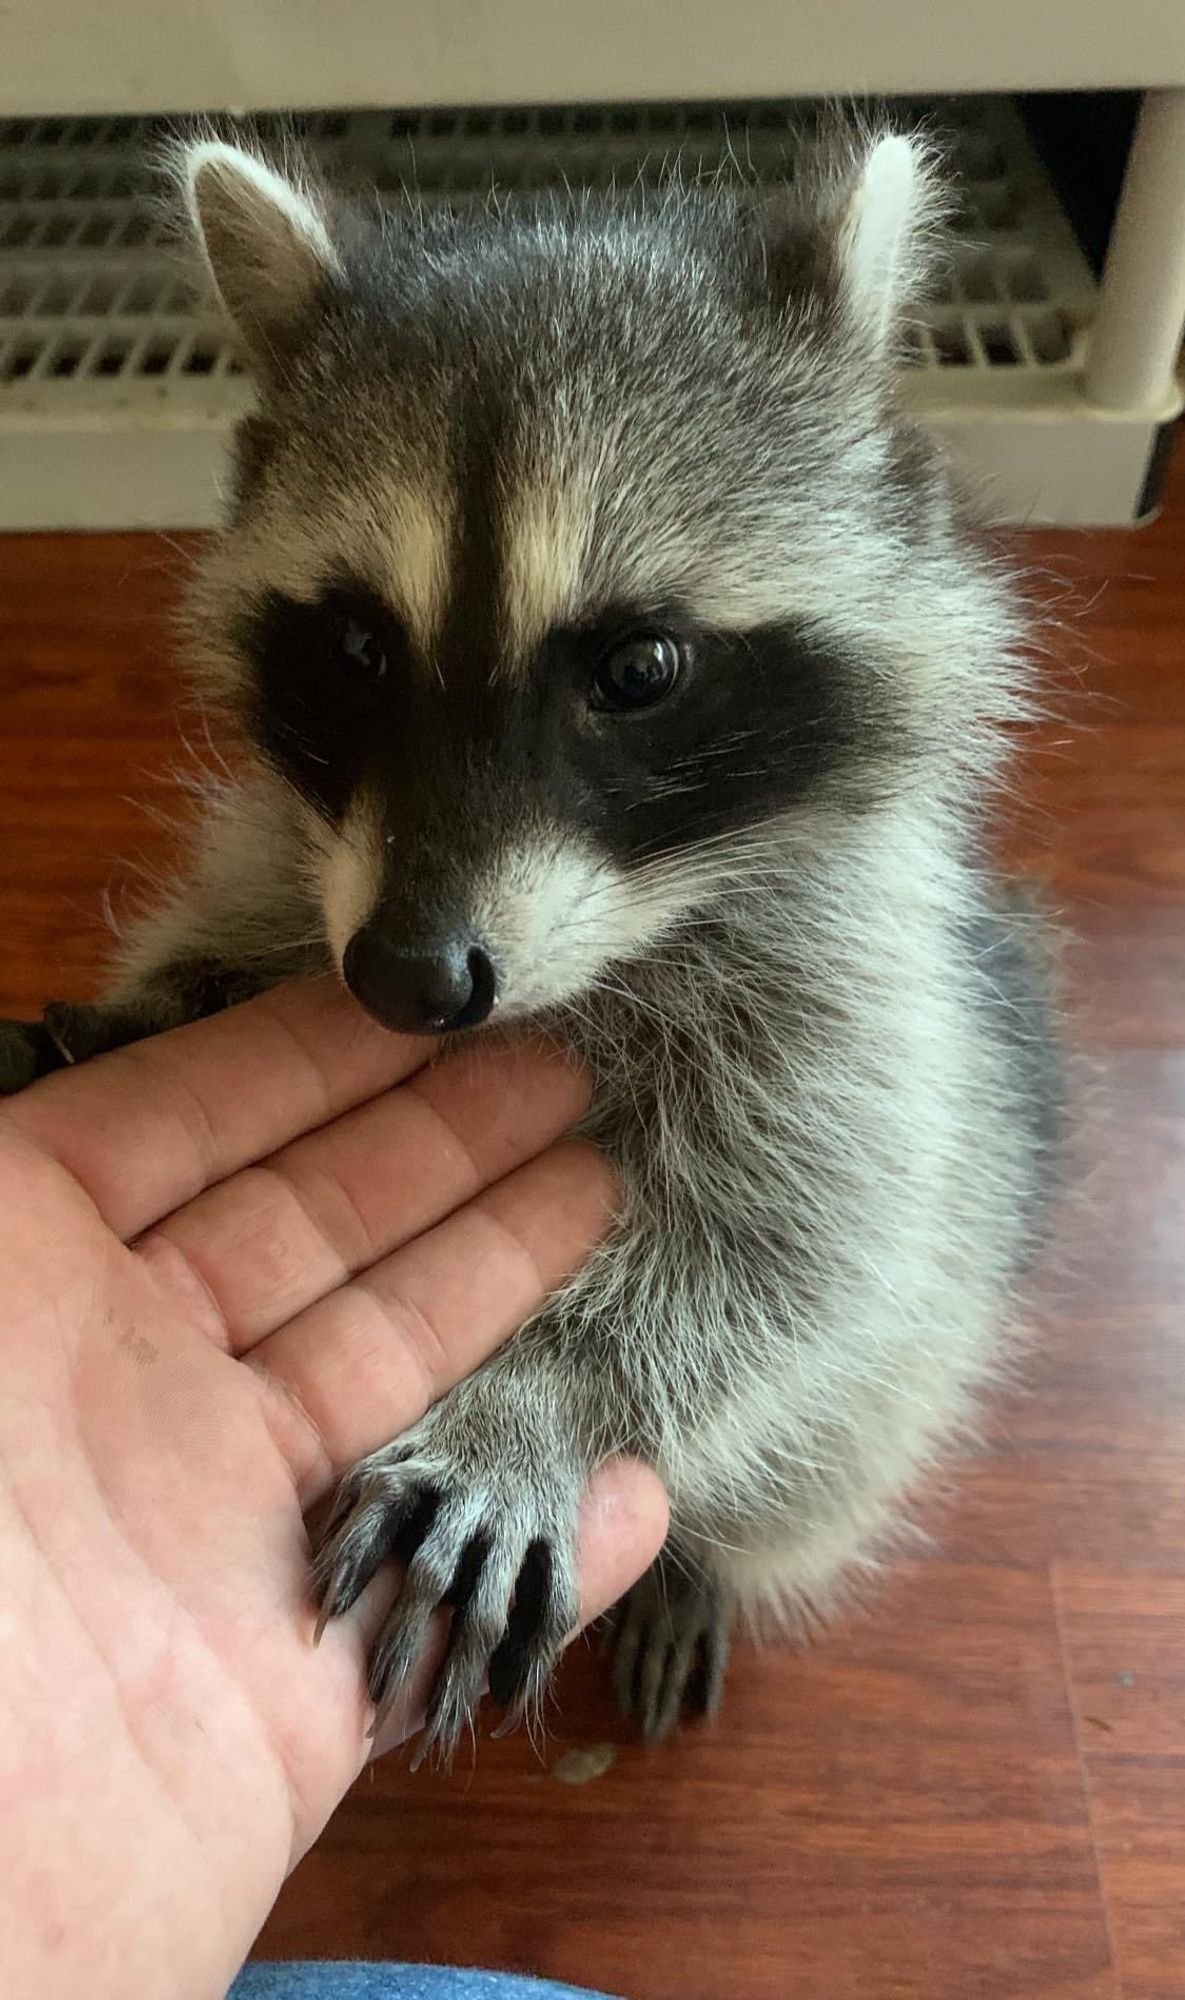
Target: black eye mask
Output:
[{"x": 324, "y": 682}]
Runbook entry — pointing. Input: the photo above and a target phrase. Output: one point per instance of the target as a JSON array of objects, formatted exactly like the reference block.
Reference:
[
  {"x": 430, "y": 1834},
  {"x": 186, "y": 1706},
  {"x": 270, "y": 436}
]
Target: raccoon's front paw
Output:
[
  {"x": 670, "y": 1644},
  {"x": 27, "y": 1051},
  {"x": 68, "y": 1032},
  {"x": 499, "y": 1554}
]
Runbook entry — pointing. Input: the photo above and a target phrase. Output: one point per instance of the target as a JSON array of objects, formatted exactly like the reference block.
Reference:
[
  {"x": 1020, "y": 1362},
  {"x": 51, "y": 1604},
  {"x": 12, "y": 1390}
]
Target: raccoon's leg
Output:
[
  {"x": 670, "y": 1641},
  {"x": 71, "y": 1032},
  {"x": 239, "y": 920},
  {"x": 480, "y": 1501}
]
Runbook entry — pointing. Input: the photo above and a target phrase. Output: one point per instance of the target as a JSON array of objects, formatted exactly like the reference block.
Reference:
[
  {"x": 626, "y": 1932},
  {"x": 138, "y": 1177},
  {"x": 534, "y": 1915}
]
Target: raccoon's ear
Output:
[
  {"x": 888, "y": 232},
  {"x": 266, "y": 243}
]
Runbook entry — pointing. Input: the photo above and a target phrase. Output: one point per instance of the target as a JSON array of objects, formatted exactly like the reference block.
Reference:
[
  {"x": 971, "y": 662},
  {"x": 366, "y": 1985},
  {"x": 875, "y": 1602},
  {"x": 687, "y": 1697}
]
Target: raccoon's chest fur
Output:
[{"x": 826, "y": 1182}]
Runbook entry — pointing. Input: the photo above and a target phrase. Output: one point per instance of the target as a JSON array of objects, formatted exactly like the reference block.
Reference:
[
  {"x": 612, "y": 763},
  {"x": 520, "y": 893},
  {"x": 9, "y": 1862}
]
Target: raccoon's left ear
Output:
[
  {"x": 266, "y": 242},
  {"x": 887, "y": 232}
]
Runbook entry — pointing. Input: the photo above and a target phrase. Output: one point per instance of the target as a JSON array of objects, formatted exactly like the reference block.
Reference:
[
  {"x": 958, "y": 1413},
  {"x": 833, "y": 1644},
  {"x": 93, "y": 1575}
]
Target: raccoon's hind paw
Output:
[
  {"x": 504, "y": 1568},
  {"x": 27, "y": 1051},
  {"x": 670, "y": 1644}
]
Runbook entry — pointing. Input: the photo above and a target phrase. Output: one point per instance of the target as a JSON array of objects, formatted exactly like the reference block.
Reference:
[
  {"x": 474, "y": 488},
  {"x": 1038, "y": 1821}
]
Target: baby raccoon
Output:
[{"x": 606, "y": 655}]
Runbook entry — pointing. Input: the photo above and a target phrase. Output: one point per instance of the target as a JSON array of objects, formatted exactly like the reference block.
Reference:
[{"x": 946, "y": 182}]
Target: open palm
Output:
[{"x": 233, "y": 1260}]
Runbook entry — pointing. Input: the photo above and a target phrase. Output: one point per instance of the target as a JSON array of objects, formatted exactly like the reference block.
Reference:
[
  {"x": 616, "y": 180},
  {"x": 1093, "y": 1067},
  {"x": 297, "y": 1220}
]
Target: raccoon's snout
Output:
[{"x": 429, "y": 990}]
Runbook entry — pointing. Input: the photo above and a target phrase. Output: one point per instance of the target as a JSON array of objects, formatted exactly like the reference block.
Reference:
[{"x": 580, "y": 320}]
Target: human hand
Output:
[{"x": 207, "y": 1317}]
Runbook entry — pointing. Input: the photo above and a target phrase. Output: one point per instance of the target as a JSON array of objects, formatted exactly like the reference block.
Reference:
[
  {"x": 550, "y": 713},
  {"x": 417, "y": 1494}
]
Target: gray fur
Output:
[{"x": 815, "y": 1064}]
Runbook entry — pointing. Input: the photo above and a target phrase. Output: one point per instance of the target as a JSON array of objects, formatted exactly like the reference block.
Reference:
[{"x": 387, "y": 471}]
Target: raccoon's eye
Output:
[
  {"x": 637, "y": 671},
  {"x": 360, "y": 650}
]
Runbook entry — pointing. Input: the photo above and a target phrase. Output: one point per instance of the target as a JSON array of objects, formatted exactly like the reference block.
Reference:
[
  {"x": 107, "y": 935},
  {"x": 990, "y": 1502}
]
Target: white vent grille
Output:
[
  {"x": 87, "y": 293},
  {"x": 102, "y": 342}
]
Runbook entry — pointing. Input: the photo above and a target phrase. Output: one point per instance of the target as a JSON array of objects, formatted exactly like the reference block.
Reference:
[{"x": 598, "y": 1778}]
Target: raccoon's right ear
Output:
[
  {"x": 266, "y": 243},
  {"x": 863, "y": 230},
  {"x": 887, "y": 233}
]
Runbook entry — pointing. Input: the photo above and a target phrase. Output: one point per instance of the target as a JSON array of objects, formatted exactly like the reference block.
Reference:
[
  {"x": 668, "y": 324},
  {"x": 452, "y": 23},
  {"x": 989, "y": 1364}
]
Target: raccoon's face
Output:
[{"x": 576, "y": 556}]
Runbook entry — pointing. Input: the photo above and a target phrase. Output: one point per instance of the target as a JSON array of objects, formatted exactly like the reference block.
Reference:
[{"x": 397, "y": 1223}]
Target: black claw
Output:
[
  {"x": 338, "y": 1583},
  {"x": 332, "y": 1517}
]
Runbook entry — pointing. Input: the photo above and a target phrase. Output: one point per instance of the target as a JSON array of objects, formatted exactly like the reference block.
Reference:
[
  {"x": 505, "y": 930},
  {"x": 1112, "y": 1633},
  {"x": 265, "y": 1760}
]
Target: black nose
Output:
[{"x": 420, "y": 992}]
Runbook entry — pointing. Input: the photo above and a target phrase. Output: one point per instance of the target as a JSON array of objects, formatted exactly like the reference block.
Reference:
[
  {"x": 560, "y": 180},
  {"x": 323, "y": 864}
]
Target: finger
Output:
[
  {"x": 150, "y": 1126},
  {"x": 248, "y": 1255},
  {"x": 624, "y": 1519},
  {"x": 623, "y": 1524},
  {"x": 359, "y": 1367}
]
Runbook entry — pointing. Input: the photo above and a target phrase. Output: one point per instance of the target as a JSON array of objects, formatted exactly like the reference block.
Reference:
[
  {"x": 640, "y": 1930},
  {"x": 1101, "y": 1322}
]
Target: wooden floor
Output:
[{"x": 977, "y": 1787}]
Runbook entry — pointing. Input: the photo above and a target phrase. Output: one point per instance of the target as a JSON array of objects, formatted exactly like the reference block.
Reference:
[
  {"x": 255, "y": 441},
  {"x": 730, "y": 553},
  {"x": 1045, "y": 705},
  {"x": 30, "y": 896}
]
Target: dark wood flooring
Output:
[{"x": 975, "y": 1788}]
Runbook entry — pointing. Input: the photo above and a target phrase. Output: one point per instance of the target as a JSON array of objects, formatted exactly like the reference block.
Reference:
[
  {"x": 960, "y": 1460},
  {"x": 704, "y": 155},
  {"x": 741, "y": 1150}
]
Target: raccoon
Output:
[{"x": 606, "y": 653}]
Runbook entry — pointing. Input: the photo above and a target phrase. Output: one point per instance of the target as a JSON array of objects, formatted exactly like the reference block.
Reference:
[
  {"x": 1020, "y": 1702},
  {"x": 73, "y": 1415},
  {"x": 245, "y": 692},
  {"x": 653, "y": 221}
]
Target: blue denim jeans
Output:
[{"x": 333, "y": 1979}]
